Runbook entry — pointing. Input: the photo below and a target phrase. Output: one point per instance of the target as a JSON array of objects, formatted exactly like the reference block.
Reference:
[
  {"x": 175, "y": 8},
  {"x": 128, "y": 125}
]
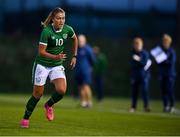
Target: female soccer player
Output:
[
  {"x": 167, "y": 74},
  {"x": 83, "y": 71},
  {"x": 48, "y": 63},
  {"x": 139, "y": 75}
]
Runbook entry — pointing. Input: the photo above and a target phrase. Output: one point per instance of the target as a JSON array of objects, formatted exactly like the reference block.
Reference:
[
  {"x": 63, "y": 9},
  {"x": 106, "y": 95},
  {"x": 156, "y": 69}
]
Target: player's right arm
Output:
[
  {"x": 43, "y": 45},
  {"x": 43, "y": 53}
]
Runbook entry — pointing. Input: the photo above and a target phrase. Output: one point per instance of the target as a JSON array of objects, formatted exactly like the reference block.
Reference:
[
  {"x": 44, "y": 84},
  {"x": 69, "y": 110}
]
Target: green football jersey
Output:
[{"x": 55, "y": 42}]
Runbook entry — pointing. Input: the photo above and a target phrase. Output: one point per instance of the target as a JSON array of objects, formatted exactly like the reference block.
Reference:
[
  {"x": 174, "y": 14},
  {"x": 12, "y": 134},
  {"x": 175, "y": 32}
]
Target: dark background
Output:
[{"x": 109, "y": 24}]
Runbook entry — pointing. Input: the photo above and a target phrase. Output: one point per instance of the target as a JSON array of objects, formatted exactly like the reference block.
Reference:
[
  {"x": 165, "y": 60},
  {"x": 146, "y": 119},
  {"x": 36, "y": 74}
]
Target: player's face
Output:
[
  {"x": 138, "y": 45},
  {"x": 81, "y": 40},
  {"x": 59, "y": 20},
  {"x": 166, "y": 43}
]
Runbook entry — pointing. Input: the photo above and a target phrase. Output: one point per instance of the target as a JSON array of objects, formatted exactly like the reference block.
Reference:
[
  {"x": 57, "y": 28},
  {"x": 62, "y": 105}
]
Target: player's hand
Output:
[
  {"x": 136, "y": 58},
  {"x": 73, "y": 62},
  {"x": 60, "y": 57}
]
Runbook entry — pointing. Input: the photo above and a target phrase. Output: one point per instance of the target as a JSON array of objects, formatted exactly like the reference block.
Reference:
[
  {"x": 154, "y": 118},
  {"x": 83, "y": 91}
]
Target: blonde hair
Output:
[
  {"x": 167, "y": 37},
  {"x": 51, "y": 16}
]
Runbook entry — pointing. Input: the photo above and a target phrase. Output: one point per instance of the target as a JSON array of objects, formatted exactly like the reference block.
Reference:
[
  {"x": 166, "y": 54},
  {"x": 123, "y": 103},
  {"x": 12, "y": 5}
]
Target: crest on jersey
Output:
[
  {"x": 38, "y": 79},
  {"x": 65, "y": 36},
  {"x": 53, "y": 37}
]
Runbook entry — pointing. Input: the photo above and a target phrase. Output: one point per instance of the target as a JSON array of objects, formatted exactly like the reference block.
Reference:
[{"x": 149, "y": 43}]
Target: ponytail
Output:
[
  {"x": 51, "y": 15},
  {"x": 47, "y": 21}
]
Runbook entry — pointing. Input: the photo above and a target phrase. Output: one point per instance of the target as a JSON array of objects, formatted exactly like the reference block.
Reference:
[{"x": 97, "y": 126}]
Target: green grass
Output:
[{"x": 110, "y": 117}]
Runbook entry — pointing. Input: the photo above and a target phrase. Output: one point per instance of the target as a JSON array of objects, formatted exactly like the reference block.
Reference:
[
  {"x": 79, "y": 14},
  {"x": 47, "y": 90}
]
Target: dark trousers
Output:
[
  {"x": 167, "y": 90},
  {"x": 136, "y": 84},
  {"x": 98, "y": 82}
]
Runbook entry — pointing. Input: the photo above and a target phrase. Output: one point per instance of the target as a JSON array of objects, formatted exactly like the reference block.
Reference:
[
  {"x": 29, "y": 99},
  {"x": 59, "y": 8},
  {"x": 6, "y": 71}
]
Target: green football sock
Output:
[
  {"x": 54, "y": 99},
  {"x": 31, "y": 104}
]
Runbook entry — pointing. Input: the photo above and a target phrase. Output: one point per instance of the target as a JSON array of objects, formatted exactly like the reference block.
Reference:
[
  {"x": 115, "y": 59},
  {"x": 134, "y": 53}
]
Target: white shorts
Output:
[{"x": 40, "y": 74}]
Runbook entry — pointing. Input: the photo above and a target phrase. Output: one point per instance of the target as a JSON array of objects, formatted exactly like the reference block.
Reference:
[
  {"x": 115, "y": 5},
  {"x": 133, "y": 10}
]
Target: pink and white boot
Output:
[
  {"x": 24, "y": 123},
  {"x": 49, "y": 112}
]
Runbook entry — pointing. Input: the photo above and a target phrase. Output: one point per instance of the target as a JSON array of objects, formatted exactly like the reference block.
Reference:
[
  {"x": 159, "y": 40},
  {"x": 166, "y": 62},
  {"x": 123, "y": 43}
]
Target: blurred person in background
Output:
[
  {"x": 99, "y": 70},
  {"x": 83, "y": 71},
  {"x": 139, "y": 74},
  {"x": 167, "y": 74},
  {"x": 49, "y": 63}
]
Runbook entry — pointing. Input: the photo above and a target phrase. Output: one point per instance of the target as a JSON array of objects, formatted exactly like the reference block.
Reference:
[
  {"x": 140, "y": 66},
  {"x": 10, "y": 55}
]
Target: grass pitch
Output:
[{"x": 110, "y": 117}]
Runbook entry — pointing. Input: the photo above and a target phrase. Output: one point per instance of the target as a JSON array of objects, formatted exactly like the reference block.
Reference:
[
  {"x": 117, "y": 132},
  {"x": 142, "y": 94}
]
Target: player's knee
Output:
[
  {"x": 61, "y": 90},
  {"x": 37, "y": 94}
]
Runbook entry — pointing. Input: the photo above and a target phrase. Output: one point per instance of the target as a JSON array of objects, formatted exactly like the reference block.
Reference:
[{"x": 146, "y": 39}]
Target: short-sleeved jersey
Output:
[
  {"x": 55, "y": 42},
  {"x": 85, "y": 60}
]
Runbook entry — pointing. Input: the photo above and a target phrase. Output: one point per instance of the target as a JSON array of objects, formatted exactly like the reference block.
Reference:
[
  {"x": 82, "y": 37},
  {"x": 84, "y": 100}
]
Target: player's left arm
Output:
[
  {"x": 91, "y": 56},
  {"x": 144, "y": 59},
  {"x": 171, "y": 58},
  {"x": 74, "y": 52}
]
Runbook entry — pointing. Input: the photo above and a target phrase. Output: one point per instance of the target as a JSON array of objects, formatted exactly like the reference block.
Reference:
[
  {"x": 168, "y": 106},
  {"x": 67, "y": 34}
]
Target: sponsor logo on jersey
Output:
[{"x": 65, "y": 36}]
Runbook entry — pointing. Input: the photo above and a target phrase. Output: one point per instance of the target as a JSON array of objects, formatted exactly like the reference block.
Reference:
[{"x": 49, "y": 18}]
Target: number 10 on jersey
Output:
[{"x": 59, "y": 42}]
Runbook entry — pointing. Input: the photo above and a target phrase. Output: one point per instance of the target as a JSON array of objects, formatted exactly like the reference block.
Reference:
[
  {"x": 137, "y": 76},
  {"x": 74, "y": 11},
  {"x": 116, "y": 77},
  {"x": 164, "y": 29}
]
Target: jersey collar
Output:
[{"x": 57, "y": 30}]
